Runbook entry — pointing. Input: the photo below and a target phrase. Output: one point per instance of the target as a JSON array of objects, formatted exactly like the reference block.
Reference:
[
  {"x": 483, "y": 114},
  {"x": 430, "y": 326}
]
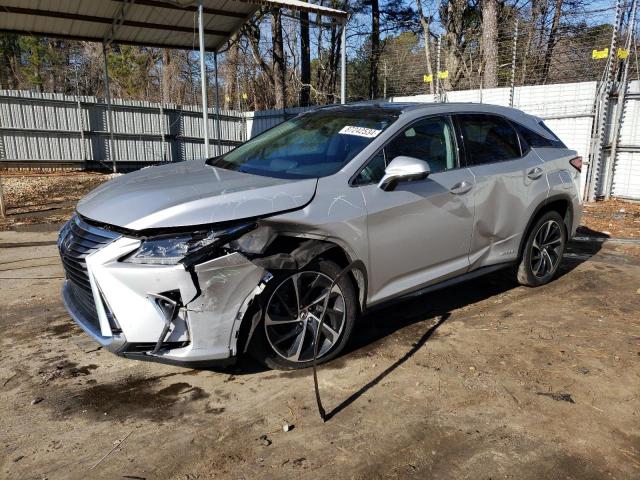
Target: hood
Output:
[{"x": 191, "y": 193}]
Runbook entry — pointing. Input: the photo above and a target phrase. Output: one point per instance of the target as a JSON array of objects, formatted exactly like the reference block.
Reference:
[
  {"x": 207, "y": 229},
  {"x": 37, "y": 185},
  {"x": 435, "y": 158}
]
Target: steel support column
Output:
[
  {"x": 218, "y": 140},
  {"x": 620, "y": 106},
  {"x": 107, "y": 94},
  {"x": 203, "y": 81},
  {"x": 343, "y": 63}
]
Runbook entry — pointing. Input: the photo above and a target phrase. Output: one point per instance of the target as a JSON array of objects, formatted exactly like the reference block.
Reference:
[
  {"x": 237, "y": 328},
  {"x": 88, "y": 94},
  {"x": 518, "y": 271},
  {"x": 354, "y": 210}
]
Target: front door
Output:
[{"x": 420, "y": 232}]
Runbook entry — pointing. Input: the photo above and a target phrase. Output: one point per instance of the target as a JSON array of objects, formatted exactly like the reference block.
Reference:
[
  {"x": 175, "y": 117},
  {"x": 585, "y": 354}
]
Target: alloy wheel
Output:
[
  {"x": 546, "y": 249},
  {"x": 293, "y": 315}
]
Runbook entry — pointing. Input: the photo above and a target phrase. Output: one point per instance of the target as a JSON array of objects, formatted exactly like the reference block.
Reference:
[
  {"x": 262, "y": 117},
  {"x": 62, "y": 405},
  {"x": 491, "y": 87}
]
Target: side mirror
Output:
[{"x": 403, "y": 169}]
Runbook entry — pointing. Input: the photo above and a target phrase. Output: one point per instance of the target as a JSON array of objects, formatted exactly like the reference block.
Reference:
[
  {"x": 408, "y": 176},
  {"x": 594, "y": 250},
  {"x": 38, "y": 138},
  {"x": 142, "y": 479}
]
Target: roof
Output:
[
  {"x": 415, "y": 109},
  {"x": 162, "y": 23},
  {"x": 438, "y": 107}
]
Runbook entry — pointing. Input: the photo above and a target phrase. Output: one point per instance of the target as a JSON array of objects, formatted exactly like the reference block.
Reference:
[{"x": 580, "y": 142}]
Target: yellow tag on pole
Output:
[
  {"x": 427, "y": 78},
  {"x": 227, "y": 98},
  {"x": 245, "y": 96},
  {"x": 444, "y": 74},
  {"x": 622, "y": 53},
  {"x": 600, "y": 54}
]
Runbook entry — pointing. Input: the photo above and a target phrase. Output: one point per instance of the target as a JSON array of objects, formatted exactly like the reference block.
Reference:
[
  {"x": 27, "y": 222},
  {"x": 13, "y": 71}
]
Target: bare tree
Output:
[
  {"x": 551, "y": 42},
  {"x": 457, "y": 17},
  {"x": 305, "y": 60},
  {"x": 278, "y": 59},
  {"x": 375, "y": 49},
  {"x": 425, "y": 22},
  {"x": 490, "y": 43}
]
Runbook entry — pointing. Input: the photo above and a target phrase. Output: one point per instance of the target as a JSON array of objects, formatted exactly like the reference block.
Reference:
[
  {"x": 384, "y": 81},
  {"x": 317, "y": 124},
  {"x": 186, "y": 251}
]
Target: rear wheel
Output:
[
  {"x": 292, "y": 307},
  {"x": 543, "y": 250}
]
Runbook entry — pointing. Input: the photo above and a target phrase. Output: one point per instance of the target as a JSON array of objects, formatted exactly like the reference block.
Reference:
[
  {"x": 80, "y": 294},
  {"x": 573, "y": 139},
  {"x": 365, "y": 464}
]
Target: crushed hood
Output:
[{"x": 191, "y": 193}]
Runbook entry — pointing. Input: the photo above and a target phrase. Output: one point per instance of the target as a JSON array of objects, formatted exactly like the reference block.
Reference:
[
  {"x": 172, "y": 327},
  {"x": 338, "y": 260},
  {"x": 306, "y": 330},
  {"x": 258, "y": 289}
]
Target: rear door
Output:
[
  {"x": 420, "y": 232},
  {"x": 509, "y": 183}
]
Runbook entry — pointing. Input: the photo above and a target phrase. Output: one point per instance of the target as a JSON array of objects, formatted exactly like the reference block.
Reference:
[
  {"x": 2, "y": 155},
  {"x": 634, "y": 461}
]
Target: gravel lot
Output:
[{"x": 482, "y": 380}]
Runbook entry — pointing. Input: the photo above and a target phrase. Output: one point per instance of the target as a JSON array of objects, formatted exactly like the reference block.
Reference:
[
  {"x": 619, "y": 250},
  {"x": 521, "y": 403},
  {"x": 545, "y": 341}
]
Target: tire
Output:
[
  {"x": 543, "y": 250},
  {"x": 268, "y": 346}
]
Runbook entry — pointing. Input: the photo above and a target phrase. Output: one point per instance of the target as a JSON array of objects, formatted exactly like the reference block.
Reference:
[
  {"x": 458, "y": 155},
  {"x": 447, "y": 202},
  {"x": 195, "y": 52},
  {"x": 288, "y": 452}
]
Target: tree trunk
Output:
[
  {"x": 166, "y": 76},
  {"x": 551, "y": 43},
  {"x": 426, "y": 30},
  {"x": 531, "y": 30},
  {"x": 375, "y": 49},
  {"x": 490, "y": 43},
  {"x": 230, "y": 75},
  {"x": 279, "y": 67},
  {"x": 305, "y": 60}
]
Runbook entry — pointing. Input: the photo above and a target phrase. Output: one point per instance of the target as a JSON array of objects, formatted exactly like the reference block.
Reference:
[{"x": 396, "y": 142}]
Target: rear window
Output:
[
  {"x": 534, "y": 139},
  {"x": 488, "y": 139}
]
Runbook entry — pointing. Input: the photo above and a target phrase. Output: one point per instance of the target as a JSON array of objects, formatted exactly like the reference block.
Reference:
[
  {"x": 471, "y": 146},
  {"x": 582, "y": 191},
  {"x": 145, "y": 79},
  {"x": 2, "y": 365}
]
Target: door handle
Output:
[
  {"x": 535, "y": 173},
  {"x": 461, "y": 187}
]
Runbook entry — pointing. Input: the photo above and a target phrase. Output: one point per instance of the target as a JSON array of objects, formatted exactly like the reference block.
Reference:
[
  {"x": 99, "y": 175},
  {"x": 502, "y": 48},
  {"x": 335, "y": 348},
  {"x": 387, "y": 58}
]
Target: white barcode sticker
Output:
[{"x": 360, "y": 131}]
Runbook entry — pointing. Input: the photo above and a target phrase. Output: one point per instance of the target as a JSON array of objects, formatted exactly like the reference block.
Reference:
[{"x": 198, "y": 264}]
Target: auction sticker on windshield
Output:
[{"x": 360, "y": 131}]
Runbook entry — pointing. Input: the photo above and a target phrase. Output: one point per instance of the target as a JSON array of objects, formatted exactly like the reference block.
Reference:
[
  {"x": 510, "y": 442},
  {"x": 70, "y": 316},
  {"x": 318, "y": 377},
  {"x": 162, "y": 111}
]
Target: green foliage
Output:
[
  {"x": 129, "y": 70},
  {"x": 34, "y": 53}
]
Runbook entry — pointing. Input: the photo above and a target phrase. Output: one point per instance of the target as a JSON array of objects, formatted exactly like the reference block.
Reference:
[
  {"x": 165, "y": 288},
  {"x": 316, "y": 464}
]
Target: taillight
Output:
[{"x": 576, "y": 162}]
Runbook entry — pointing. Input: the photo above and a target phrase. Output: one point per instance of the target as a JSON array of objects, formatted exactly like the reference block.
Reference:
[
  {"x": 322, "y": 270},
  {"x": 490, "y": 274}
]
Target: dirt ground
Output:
[
  {"x": 482, "y": 380},
  {"x": 36, "y": 198}
]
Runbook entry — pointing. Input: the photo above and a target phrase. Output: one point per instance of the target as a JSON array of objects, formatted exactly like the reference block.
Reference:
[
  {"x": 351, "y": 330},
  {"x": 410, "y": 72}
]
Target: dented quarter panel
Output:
[
  {"x": 564, "y": 180},
  {"x": 505, "y": 199}
]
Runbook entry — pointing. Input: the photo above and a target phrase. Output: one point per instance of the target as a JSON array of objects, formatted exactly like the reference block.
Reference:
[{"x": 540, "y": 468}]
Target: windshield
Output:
[{"x": 312, "y": 145}]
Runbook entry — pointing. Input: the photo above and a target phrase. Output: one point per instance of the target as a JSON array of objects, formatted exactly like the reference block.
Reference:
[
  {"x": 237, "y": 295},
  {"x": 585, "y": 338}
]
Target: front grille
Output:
[{"x": 77, "y": 240}]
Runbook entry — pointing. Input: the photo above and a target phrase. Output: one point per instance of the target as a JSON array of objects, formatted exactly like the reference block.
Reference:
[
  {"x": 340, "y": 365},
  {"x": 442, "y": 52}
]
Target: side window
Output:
[
  {"x": 373, "y": 172},
  {"x": 430, "y": 140},
  {"x": 488, "y": 139},
  {"x": 536, "y": 140}
]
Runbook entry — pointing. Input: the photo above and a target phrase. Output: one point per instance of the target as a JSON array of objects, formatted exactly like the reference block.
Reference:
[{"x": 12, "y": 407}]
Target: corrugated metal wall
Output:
[{"x": 55, "y": 128}]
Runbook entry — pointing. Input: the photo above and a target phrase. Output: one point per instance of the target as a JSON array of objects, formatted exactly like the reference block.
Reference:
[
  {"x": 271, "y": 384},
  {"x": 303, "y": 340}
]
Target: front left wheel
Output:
[{"x": 292, "y": 307}]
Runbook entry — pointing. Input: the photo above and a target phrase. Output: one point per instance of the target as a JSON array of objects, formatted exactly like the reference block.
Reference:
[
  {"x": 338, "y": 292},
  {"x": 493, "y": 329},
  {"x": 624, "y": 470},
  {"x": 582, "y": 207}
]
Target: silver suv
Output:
[{"x": 197, "y": 262}]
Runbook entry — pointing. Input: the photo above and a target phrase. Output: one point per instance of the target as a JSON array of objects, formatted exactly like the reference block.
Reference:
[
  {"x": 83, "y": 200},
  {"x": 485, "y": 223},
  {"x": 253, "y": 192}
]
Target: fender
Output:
[{"x": 568, "y": 219}]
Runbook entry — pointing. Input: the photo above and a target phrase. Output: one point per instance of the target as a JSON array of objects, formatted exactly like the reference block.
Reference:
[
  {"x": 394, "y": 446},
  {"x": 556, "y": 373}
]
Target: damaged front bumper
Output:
[{"x": 125, "y": 306}]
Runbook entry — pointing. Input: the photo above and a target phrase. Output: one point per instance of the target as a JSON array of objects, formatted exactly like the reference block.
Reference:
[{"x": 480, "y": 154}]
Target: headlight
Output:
[{"x": 187, "y": 249}]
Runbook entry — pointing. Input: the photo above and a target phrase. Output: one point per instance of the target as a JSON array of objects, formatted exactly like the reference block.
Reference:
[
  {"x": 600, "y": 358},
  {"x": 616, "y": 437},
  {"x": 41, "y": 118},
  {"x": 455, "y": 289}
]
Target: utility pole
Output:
[
  {"x": 437, "y": 79},
  {"x": 343, "y": 63},
  {"x": 203, "y": 80},
  {"x": 384, "y": 80},
  {"x": 513, "y": 64}
]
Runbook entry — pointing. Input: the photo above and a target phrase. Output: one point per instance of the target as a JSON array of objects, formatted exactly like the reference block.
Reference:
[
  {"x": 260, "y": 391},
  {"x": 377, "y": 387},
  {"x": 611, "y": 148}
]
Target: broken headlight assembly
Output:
[{"x": 185, "y": 248}]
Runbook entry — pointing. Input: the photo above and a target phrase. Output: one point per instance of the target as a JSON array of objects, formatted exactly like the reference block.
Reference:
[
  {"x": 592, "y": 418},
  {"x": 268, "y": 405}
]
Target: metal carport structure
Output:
[{"x": 151, "y": 23}]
